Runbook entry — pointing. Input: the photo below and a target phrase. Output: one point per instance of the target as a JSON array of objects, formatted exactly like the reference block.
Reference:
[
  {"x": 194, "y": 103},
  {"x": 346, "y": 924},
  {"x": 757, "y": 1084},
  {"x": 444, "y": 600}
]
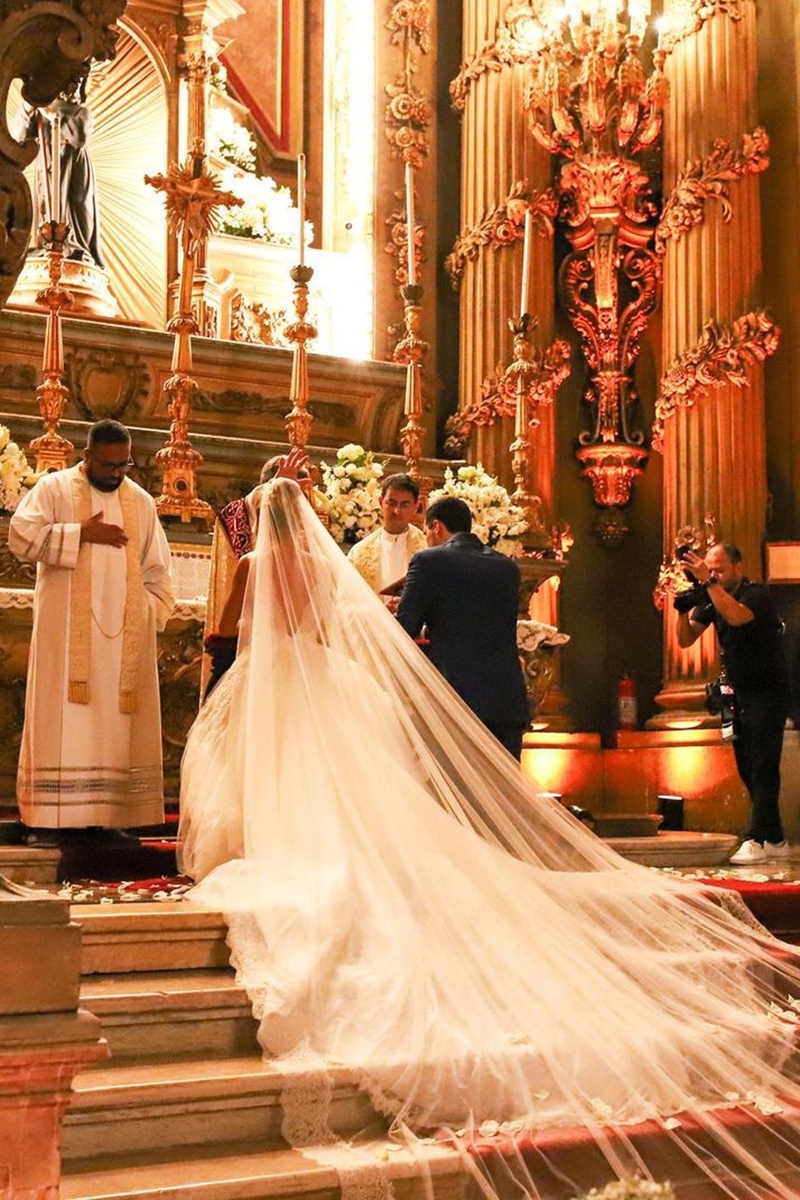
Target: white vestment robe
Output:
[
  {"x": 382, "y": 558},
  {"x": 91, "y": 763}
]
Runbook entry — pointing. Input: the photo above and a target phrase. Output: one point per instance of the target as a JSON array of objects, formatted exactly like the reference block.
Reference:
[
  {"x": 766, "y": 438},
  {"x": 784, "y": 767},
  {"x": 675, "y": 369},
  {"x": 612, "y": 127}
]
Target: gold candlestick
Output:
[
  {"x": 192, "y": 196},
  {"x": 533, "y": 378},
  {"x": 51, "y": 450},
  {"x": 410, "y": 350},
  {"x": 299, "y": 418}
]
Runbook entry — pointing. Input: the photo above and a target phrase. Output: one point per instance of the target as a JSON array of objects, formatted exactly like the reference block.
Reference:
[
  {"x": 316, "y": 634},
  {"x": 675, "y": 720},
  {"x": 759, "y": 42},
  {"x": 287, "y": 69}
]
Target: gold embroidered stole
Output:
[
  {"x": 80, "y": 610},
  {"x": 366, "y": 554},
  {"x": 366, "y": 558}
]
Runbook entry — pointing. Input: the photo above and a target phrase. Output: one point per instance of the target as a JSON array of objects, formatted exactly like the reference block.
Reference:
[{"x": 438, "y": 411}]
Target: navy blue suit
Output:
[{"x": 466, "y": 596}]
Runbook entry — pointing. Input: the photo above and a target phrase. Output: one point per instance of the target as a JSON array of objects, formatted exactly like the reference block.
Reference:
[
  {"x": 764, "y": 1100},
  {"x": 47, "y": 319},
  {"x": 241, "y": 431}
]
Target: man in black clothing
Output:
[
  {"x": 466, "y": 595},
  {"x": 750, "y": 635}
]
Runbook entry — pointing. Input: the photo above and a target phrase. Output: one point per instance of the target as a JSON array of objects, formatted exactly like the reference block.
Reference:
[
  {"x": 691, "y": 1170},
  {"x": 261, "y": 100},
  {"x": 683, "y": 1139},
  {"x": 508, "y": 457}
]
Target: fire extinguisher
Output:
[{"x": 627, "y": 707}]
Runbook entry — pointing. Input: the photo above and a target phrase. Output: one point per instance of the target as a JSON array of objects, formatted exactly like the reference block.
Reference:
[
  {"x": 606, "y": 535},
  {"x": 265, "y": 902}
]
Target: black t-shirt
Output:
[{"x": 753, "y": 654}]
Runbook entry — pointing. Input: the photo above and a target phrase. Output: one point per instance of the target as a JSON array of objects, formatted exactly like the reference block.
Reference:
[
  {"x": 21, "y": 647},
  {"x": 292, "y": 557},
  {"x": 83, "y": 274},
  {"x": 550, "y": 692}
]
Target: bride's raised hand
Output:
[{"x": 292, "y": 464}]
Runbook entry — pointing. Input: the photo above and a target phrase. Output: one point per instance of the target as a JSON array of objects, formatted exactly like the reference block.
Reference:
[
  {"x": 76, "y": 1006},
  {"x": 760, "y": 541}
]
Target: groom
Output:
[{"x": 466, "y": 596}]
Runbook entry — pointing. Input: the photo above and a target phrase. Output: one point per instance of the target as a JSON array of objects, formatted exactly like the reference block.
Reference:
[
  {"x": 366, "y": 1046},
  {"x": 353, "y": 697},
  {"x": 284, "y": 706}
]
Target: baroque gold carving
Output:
[
  {"x": 721, "y": 357},
  {"x": 689, "y": 16},
  {"x": 408, "y": 112},
  {"x": 105, "y": 383},
  {"x": 545, "y": 371},
  {"x": 502, "y": 226},
  {"x": 504, "y": 51},
  {"x": 707, "y": 180},
  {"x": 407, "y": 118},
  {"x": 397, "y": 223},
  {"x": 671, "y": 575},
  {"x": 252, "y": 322},
  {"x": 590, "y": 102}
]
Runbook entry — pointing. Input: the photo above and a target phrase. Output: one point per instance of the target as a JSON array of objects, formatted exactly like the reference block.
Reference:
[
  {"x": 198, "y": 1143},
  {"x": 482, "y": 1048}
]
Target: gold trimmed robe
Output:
[
  {"x": 366, "y": 555},
  {"x": 91, "y": 763}
]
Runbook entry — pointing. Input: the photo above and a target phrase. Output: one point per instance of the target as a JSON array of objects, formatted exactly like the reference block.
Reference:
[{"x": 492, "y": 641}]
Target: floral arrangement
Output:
[
  {"x": 496, "y": 520},
  {"x": 352, "y": 487},
  {"x": 268, "y": 212},
  {"x": 229, "y": 140},
  {"x": 632, "y": 1189},
  {"x": 14, "y": 470}
]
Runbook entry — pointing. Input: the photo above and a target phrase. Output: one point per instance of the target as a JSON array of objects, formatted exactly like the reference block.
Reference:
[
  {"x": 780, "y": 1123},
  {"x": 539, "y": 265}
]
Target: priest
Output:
[
  {"x": 91, "y": 743},
  {"x": 382, "y": 557}
]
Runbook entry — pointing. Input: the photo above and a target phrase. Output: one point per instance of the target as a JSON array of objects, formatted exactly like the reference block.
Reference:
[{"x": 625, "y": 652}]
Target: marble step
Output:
[
  {"x": 29, "y": 864},
  {"x": 676, "y": 848},
  {"x": 159, "y": 936},
  {"x": 252, "y": 1171},
  {"x": 169, "y": 1013},
  {"x": 193, "y": 1102}
]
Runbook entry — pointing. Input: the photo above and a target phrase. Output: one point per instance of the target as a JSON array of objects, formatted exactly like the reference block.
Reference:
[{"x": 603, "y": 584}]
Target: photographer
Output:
[{"x": 750, "y": 635}]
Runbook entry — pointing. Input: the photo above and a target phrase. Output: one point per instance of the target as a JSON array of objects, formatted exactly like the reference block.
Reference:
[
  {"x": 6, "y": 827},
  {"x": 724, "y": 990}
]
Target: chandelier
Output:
[{"x": 590, "y": 103}]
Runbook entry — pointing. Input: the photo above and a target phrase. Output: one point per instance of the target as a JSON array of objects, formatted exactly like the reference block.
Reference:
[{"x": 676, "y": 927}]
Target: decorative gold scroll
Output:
[
  {"x": 547, "y": 370},
  {"x": 707, "y": 180},
  {"x": 408, "y": 111},
  {"x": 505, "y": 51},
  {"x": 407, "y": 119},
  {"x": 689, "y": 16},
  {"x": 671, "y": 575},
  {"x": 721, "y": 357},
  {"x": 502, "y": 226}
]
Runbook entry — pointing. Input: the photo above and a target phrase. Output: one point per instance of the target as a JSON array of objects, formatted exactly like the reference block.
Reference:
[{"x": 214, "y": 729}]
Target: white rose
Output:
[{"x": 5, "y": 435}]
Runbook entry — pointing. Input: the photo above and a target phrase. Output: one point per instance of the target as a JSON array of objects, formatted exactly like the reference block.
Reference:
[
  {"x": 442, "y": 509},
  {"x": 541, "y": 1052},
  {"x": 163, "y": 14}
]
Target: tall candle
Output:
[
  {"x": 526, "y": 263},
  {"x": 411, "y": 224},
  {"x": 301, "y": 204},
  {"x": 55, "y": 174}
]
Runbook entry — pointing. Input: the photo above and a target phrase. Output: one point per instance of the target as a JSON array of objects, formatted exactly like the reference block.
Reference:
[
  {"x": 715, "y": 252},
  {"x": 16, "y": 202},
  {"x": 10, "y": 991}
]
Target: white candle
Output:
[
  {"x": 55, "y": 174},
  {"x": 526, "y": 264},
  {"x": 301, "y": 204},
  {"x": 410, "y": 224}
]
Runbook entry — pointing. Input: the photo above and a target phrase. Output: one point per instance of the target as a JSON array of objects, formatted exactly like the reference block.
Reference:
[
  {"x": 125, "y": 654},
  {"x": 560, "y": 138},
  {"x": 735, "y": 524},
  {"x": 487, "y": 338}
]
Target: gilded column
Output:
[
  {"x": 712, "y": 437},
  {"x": 498, "y": 152}
]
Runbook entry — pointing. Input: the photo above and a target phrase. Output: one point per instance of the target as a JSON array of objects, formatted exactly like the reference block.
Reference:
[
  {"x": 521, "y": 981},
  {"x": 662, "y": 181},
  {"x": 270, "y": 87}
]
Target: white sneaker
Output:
[
  {"x": 776, "y": 850},
  {"x": 748, "y": 854}
]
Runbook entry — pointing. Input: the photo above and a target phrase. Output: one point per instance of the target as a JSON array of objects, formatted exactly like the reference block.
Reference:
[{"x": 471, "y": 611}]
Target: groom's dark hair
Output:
[{"x": 452, "y": 512}]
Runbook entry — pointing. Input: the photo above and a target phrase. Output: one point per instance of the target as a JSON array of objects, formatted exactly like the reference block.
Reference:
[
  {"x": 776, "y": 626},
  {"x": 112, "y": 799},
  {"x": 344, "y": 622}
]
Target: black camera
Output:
[
  {"x": 684, "y": 602},
  {"x": 680, "y": 554}
]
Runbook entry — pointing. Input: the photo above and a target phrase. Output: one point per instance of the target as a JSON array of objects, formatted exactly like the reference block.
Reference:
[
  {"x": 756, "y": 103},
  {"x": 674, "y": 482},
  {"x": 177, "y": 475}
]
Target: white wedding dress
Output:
[{"x": 403, "y": 902}]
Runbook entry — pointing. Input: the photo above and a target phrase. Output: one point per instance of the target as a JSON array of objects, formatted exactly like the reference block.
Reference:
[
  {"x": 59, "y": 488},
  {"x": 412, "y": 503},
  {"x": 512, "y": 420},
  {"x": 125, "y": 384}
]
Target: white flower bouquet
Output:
[
  {"x": 632, "y": 1189},
  {"x": 496, "y": 520},
  {"x": 268, "y": 213},
  {"x": 352, "y": 487},
  {"x": 14, "y": 469},
  {"x": 230, "y": 140}
]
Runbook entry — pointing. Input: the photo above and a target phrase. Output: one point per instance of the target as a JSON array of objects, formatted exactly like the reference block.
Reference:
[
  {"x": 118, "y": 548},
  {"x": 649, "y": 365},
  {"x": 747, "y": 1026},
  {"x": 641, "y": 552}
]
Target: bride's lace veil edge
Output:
[{"x": 590, "y": 991}]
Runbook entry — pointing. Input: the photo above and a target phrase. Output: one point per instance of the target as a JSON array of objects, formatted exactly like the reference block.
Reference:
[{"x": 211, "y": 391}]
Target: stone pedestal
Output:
[
  {"x": 44, "y": 1038},
  {"x": 628, "y": 777}
]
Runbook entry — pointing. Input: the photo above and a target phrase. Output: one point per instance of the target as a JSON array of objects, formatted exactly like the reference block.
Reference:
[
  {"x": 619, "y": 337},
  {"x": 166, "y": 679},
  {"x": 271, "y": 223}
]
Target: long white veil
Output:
[{"x": 402, "y": 901}]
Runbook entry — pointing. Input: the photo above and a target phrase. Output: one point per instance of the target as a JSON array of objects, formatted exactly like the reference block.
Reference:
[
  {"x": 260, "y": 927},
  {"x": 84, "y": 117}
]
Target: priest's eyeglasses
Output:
[{"x": 113, "y": 467}]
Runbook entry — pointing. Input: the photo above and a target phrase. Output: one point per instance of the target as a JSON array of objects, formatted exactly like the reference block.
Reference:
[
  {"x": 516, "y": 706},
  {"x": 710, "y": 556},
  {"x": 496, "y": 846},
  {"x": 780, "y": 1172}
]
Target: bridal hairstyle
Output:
[{"x": 405, "y": 905}]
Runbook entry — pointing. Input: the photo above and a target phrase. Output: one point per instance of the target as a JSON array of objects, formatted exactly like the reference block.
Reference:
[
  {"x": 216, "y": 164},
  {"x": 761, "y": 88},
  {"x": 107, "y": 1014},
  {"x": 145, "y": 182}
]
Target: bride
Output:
[{"x": 403, "y": 902}]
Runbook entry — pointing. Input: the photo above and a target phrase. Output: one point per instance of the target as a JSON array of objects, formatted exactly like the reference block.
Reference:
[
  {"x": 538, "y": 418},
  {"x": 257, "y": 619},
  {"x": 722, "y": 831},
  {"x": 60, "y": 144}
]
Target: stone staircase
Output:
[{"x": 184, "y": 1106}]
